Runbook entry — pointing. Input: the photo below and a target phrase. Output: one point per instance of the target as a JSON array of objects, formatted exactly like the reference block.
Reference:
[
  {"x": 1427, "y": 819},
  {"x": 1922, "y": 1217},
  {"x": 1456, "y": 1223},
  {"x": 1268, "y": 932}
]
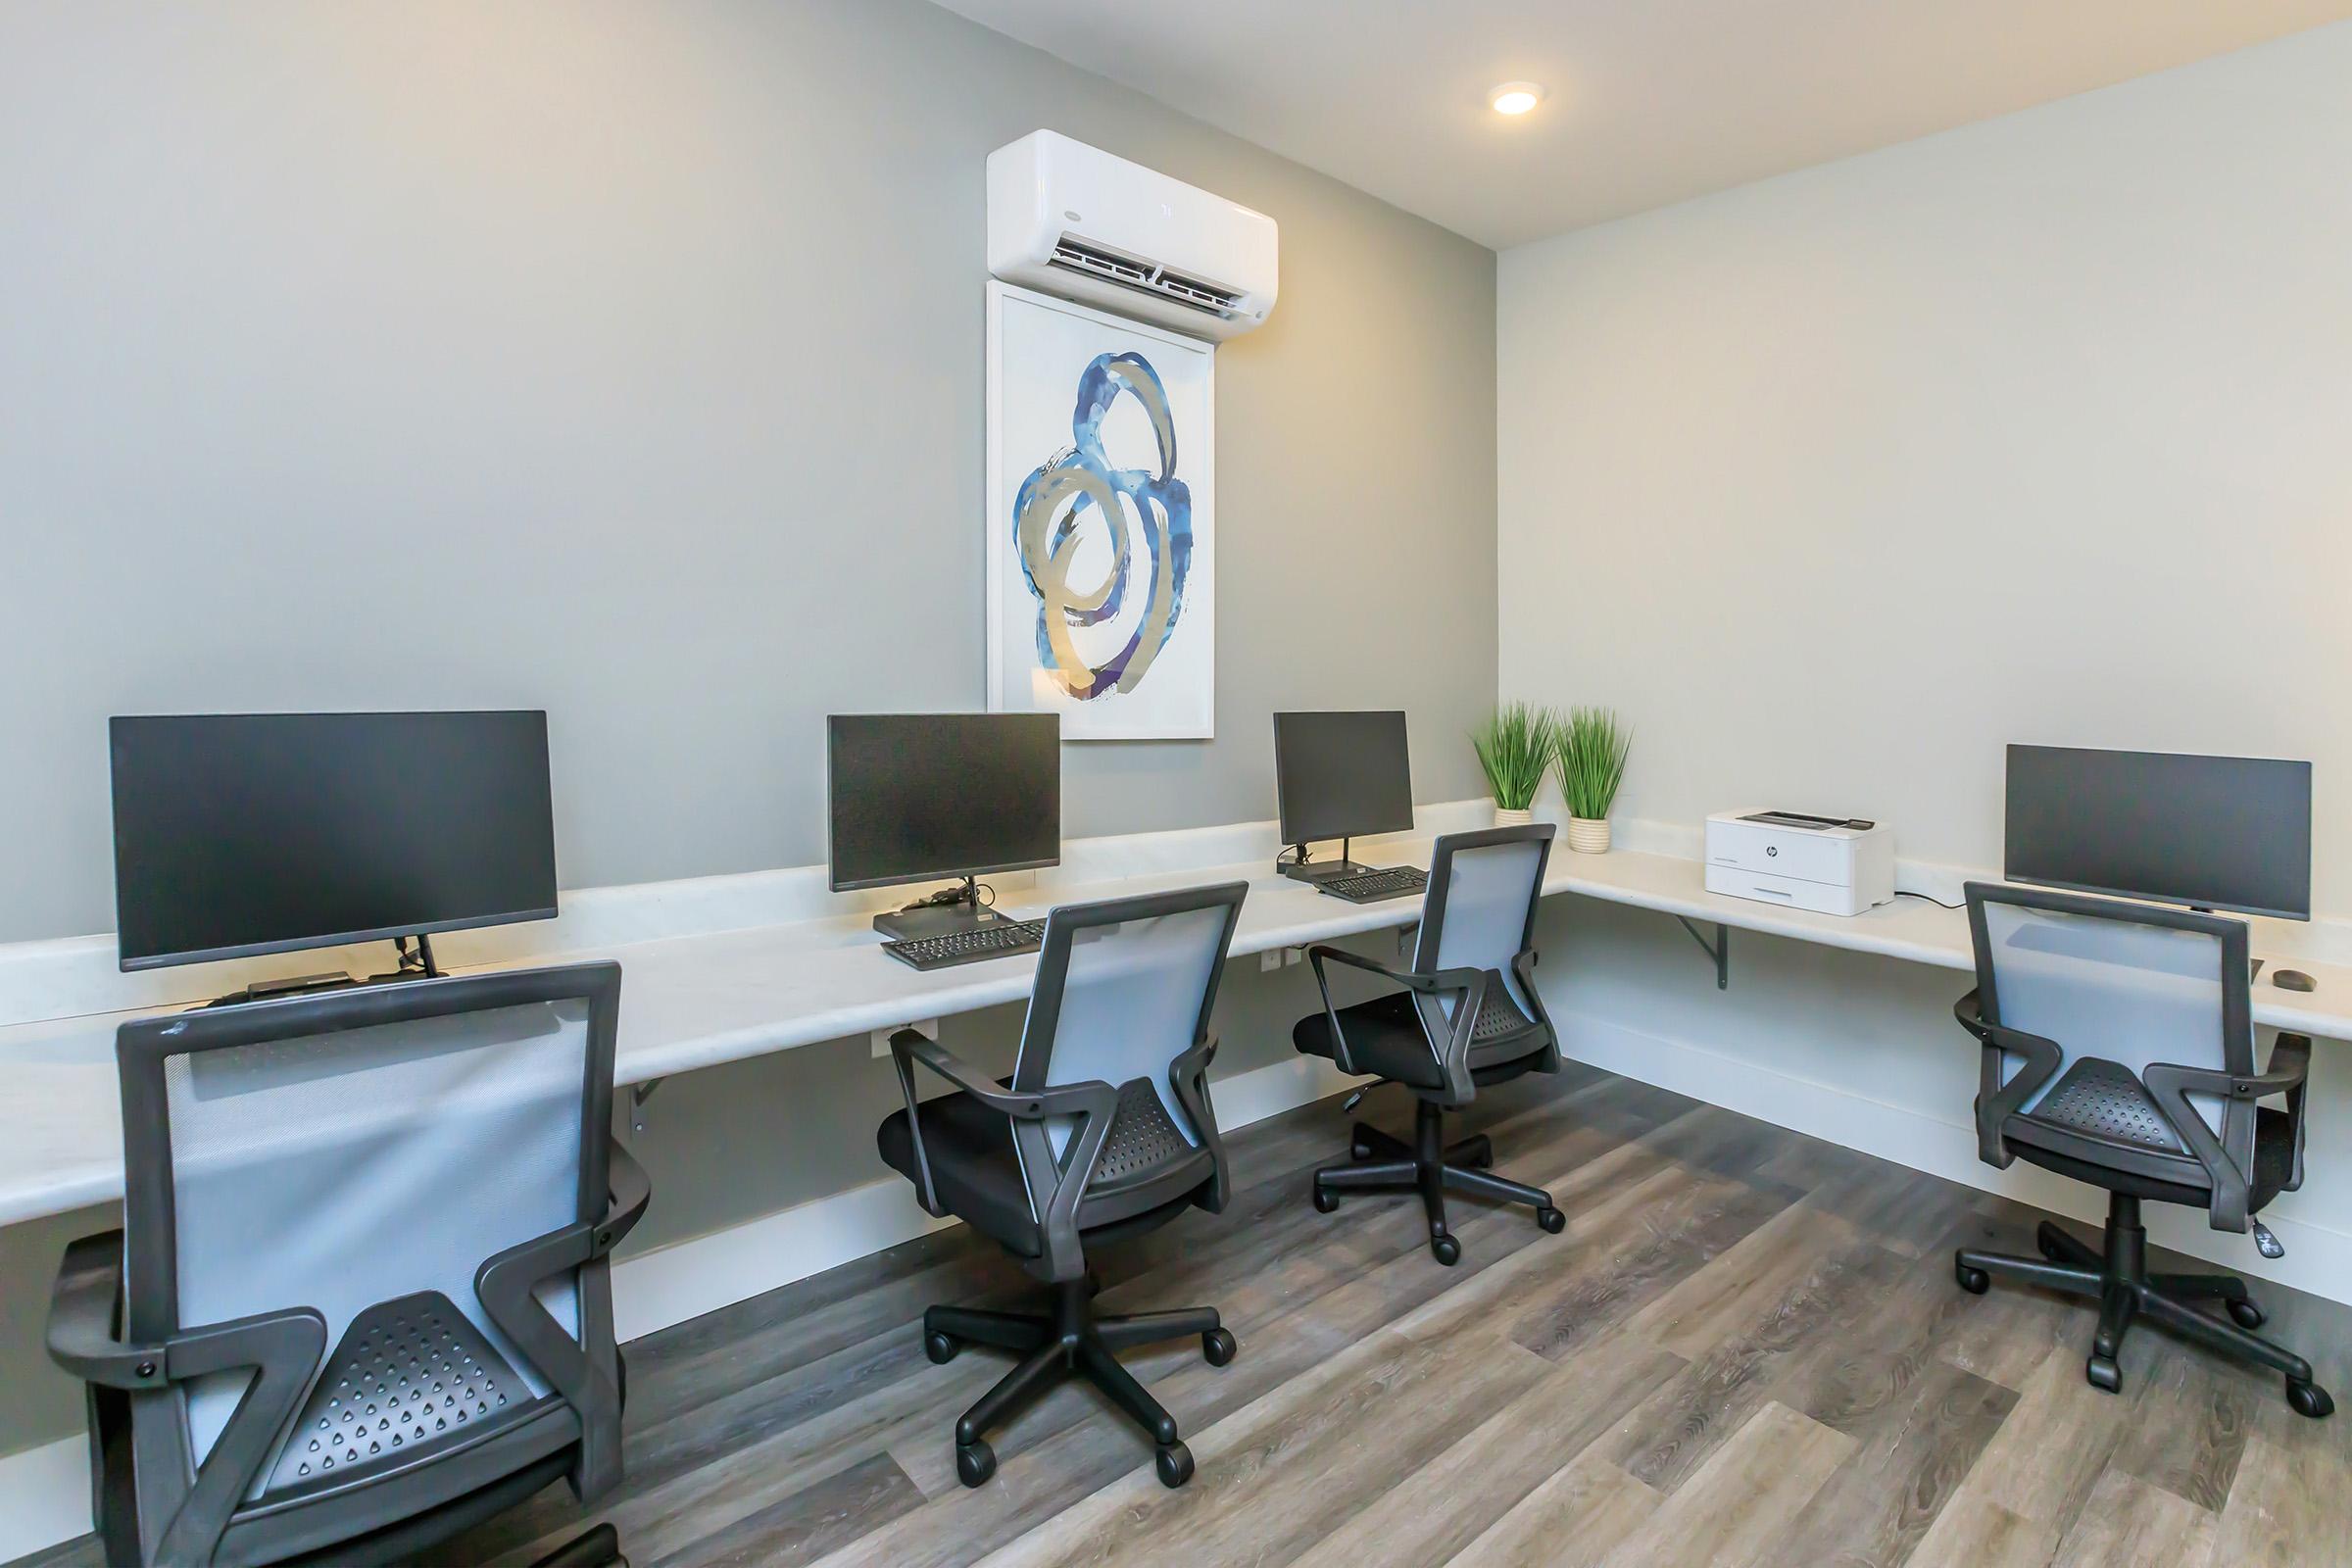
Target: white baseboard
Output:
[
  {"x": 669, "y": 1285},
  {"x": 2319, "y": 1258},
  {"x": 1253, "y": 1096},
  {"x": 44, "y": 1496}
]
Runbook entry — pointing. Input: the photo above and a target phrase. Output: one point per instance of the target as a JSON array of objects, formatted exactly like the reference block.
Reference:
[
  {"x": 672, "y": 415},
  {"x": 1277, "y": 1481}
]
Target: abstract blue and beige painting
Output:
[{"x": 1079, "y": 489}]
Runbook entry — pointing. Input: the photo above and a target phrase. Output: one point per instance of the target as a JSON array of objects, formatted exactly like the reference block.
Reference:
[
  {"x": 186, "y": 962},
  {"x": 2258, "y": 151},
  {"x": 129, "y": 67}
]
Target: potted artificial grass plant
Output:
[
  {"x": 1590, "y": 746},
  {"x": 1514, "y": 746}
]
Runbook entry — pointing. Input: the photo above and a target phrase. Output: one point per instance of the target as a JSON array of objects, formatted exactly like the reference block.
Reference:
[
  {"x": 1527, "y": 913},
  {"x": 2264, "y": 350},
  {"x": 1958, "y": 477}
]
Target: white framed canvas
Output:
[{"x": 1102, "y": 520}]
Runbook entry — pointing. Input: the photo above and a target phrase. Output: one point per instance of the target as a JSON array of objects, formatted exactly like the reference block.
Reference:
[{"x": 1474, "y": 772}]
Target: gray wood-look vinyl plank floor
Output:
[{"x": 1746, "y": 1348}]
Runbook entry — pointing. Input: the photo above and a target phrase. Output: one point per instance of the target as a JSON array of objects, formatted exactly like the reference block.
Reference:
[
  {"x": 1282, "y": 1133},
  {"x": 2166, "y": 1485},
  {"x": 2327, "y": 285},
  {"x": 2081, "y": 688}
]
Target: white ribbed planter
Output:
[
  {"x": 1509, "y": 817},
  {"x": 1588, "y": 835}
]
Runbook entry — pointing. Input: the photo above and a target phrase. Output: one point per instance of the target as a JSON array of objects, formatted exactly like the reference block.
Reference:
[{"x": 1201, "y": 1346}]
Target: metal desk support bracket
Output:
[{"x": 1720, "y": 950}]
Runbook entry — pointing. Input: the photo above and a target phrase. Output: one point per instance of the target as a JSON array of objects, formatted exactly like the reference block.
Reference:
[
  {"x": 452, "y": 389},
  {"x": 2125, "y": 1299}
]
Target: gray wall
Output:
[
  {"x": 603, "y": 358},
  {"x": 2037, "y": 430},
  {"x": 626, "y": 361}
]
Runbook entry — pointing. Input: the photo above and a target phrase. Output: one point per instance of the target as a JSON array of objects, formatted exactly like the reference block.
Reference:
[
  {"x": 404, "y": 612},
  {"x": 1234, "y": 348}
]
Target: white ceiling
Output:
[{"x": 1651, "y": 100}]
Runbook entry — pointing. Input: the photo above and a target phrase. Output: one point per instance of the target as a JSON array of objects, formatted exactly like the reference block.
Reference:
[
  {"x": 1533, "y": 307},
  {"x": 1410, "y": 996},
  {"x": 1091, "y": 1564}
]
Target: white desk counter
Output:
[{"x": 700, "y": 1001}]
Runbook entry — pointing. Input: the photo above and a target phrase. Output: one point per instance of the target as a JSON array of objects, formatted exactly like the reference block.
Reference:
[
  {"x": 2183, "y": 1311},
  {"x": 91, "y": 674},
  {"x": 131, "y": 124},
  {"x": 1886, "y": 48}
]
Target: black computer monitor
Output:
[
  {"x": 246, "y": 833},
  {"x": 2212, "y": 832},
  {"x": 920, "y": 797},
  {"x": 1342, "y": 775}
]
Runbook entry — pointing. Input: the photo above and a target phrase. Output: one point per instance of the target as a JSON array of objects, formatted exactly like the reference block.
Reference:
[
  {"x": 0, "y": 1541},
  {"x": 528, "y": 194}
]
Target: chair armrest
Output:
[
  {"x": 2292, "y": 1053},
  {"x": 580, "y": 1368},
  {"x": 1315, "y": 958},
  {"x": 1968, "y": 1013},
  {"x": 1471, "y": 982},
  {"x": 82, "y": 1303},
  {"x": 283, "y": 1348},
  {"x": 1997, "y": 1101},
  {"x": 628, "y": 1190},
  {"x": 1411, "y": 980},
  {"x": 631, "y": 1190},
  {"x": 1060, "y": 1100},
  {"x": 1188, "y": 1075},
  {"x": 81, "y": 1336},
  {"x": 2228, "y": 1165},
  {"x": 1454, "y": 1056},
  {"x": 908, "y": 1047},
  {"x": 1523, "y": 965},
  {"x": 902, "y": 1059},
  {"x": 1054, "y": 1189},
  {"x": 2275, "y": 1080}
]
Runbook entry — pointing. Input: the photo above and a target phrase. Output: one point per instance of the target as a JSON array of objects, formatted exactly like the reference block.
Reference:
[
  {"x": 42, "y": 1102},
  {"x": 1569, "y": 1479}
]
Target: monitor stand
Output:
[
  {"x": 944, "y": 914},
  {"x": 417, "y": 965},
  {"x": 296, "y": 986},
  {"x": 1311, "y": 872}
]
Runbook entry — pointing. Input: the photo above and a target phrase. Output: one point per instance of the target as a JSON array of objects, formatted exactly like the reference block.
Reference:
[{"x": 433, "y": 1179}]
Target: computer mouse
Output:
[{"x": 2290, "y": 980}]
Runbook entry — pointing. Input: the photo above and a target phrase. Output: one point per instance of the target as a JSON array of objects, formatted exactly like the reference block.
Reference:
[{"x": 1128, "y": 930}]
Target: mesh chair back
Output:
[
  {"x": 343, "y": 1150},
  {"x": 1480, "y": 909},
  {"x": 1124, "y": 987},
  {"x": 2121, "y": 982}
]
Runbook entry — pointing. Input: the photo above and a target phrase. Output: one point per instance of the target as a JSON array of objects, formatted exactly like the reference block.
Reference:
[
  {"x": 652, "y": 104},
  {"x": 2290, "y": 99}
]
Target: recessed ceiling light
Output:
[{"x": 1515, "y": 97}]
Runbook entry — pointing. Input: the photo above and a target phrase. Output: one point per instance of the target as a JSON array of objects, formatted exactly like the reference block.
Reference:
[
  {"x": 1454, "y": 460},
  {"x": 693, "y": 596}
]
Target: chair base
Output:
[
  {"x": 2118, "y": 1278},
  {"x": 1073, "y": 1341},
  {"x": 1380, "y": 1163}
]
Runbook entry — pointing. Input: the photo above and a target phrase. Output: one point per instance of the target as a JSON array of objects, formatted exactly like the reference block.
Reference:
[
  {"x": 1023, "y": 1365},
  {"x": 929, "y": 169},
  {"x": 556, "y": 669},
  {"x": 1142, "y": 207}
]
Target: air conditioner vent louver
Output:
[
  {"x": 1079, "y": 224},
  {"x": 1094, "y": 261}
]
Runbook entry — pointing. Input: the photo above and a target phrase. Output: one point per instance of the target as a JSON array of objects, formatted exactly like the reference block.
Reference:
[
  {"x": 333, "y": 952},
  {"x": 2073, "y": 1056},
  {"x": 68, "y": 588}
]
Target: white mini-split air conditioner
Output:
[{"x": 1074, "y": 220}]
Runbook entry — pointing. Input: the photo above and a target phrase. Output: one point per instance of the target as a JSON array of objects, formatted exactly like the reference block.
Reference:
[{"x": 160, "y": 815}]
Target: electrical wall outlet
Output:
[
  {"x": 1269, "y": 960},
  {"x": 928, "y": 1028},
  {"x": 1294, "y": 955}
]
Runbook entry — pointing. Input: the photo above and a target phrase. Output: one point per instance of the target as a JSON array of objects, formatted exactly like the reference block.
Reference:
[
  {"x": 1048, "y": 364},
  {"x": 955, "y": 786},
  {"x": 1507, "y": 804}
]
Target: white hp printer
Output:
[{"x": 1829, "y": 864}]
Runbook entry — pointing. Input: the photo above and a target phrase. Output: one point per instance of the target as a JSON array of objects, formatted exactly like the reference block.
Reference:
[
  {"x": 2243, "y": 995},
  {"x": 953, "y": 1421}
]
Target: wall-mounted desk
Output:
[{"x": 701, "y": 1001}]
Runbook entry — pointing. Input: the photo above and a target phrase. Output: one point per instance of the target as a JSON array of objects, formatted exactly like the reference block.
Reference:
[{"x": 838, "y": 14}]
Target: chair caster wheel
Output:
[
  {"x": 1324, "y": 1202},
  {"x": 2245, "y": 1314},
  {"x": 2308, "y": 1399},
  {"x": 1974, "y": 1281},
  {"x": 940, "y": 1348},
  {"x": 1219, "y": 1348},
  {"x": 1360, "y": 1151},
  {"x": 2046, "y": 1244},
  {"x": 1445, "y": 1249},
  {"x": 2101, "y": 1372},
  {"x": 1175, "y": 1462},
  {"x": 1551, "y": 1219},
  {"x": 975, "y": 1463}
]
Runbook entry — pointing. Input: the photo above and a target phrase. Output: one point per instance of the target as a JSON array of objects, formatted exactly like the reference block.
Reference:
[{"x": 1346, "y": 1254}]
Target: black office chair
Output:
[
  {"x": 420, "y": 1174},
  {"x": 2119, "y": 1050},
  {"x": 1104, "y": 1131},
  {"x": 1468, "y": 1016}
]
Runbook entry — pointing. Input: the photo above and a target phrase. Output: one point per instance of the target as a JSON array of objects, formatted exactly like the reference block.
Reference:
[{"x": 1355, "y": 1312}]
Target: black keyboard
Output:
[
  {"x": 998, "y": 939},
  {"x": 1370, "y": 887}
]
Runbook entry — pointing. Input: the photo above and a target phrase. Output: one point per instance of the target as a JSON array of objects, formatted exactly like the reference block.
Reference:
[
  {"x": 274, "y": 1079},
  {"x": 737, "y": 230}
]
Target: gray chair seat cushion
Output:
[
  {"x": 1384, "y": 1038},
  {"x": 2100, "y": 1124},
  {"x": 410, "y": 1377},
  {"x": 978, "y": 1173},
  {"x": 2106, "y": 1100}
]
